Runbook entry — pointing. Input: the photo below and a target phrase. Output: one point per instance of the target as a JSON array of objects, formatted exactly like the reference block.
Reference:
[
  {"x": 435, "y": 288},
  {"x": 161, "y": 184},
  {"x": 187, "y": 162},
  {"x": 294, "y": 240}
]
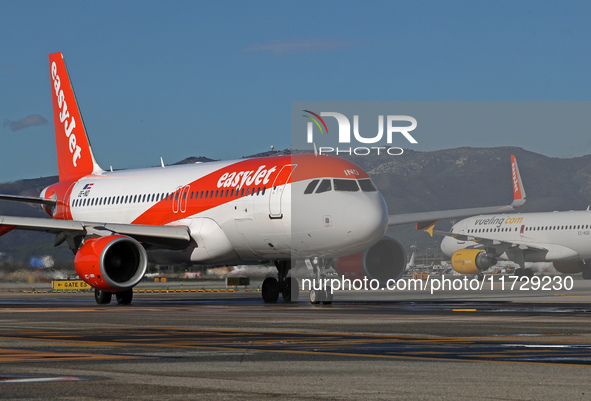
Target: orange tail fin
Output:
[
  {"x": 74, "y": 154},
  {"x": 518, "y": 190}
]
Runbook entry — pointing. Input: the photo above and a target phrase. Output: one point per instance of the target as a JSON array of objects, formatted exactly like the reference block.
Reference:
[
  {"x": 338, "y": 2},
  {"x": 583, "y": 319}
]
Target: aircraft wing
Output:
[
  {"x": 427, "y": 219},
  {"x": 485, "y": 242},
  {"x": 174, "y": 237},
  {"x": 546, "y": 251}
]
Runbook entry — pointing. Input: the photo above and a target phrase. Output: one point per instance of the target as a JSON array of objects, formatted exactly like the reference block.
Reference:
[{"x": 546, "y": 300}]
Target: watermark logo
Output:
[
  {"x": 392, "y": 126},
  {"x": 317, "y": 120}
]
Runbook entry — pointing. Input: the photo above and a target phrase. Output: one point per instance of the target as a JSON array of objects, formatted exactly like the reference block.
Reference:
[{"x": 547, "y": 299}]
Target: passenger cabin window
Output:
[
  {"x": 311, "y": 186},
  {"x": 324, "y": 186},
  {"x": 367, "y": 186},
  {"x": 345, "y": 185}
]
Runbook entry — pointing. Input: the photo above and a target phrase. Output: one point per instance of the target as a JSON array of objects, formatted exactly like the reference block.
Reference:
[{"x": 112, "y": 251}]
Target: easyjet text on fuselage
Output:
[{"x": 242, "y": 178}]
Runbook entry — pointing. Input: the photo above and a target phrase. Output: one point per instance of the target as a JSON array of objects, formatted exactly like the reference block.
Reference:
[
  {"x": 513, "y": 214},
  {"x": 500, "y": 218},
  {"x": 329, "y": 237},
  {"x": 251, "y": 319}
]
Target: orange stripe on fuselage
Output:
[{"x": 250, "y": 175}]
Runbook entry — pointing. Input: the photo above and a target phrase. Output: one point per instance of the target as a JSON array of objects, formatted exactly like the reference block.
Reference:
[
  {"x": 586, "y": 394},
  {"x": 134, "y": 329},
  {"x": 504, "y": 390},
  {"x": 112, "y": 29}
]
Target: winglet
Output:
[
  {"x": 74, "y": 154},
  {"x": 430, "y": 229},
  {"x": 518, "y": 190}
]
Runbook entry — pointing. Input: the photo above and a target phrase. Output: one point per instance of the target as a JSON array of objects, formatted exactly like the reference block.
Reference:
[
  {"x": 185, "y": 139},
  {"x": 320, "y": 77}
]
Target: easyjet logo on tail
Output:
[{"x": 64, "y": 116}]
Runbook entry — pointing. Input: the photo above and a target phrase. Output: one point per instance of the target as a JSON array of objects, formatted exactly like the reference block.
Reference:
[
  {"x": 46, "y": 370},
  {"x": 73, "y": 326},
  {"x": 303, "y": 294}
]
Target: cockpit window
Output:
[
  {"x": 324, "y": 186},
  {"x": 345, "y": 185},
  {"x": 367, "y": 186},
  {"x": 311, "y": 186}
]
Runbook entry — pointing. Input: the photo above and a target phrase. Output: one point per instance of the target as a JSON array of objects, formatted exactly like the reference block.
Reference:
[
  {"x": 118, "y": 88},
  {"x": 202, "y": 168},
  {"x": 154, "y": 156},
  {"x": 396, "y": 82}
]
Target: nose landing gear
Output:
[{"x": 321, "y": 268}]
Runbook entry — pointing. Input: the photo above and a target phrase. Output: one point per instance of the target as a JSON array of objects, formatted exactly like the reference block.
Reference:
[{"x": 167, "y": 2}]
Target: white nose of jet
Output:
[
  {"x": 366, "y": 220},
  {"x": 449, "y": 246}
]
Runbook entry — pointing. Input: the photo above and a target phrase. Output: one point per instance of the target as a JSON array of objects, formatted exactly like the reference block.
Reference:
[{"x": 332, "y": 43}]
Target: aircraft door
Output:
[
  {"x": 179, "y": 199},
  {"x": 276, "y": 192},
  {"x": 184, "y": 198}
]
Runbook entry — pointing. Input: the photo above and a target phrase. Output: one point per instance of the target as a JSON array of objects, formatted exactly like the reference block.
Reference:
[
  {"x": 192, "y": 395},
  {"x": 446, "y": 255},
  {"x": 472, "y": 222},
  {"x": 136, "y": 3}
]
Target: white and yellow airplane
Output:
[
  {"x": 475, "y": 243},
  {"x": 228, "y": 212}
]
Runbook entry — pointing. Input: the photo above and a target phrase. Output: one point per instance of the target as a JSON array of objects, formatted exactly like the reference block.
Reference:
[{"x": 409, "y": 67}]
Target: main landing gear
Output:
[
  {"x": 585, "y": 268},
  {"x": 104, "y": 297},
  {"x": 524, "y": 272},
  {"x": 288, "y": 287}
]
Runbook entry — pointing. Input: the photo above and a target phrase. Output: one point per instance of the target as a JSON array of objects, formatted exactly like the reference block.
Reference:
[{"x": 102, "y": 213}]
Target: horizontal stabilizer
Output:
[{"x": 29, "y": 199}]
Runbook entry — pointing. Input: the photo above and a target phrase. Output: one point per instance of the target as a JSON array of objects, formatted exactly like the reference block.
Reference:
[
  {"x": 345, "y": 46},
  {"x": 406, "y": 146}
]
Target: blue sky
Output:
[{"x": 217, "y": 78}]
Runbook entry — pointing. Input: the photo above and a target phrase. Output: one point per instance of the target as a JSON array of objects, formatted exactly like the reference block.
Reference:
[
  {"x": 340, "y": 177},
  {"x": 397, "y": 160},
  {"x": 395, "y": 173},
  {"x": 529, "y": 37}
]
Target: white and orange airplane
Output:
[{"x": 284, "y": 208}]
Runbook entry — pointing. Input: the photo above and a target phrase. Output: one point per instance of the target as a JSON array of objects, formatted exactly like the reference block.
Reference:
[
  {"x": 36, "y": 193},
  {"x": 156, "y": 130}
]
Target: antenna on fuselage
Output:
[
  {"x": 315, "y": 150},
  {"x": 161, "y": 162}
]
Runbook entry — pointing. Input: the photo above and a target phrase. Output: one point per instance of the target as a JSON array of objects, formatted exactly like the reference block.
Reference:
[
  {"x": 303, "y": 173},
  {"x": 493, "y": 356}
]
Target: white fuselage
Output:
[
  {"x": 237, "y": 220},
  {"x": 545, "y": 237}
]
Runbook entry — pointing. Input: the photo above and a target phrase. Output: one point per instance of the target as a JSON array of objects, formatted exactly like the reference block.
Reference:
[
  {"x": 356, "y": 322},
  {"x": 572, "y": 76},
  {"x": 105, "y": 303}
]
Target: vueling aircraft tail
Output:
[{"x": 74, "y": 154}]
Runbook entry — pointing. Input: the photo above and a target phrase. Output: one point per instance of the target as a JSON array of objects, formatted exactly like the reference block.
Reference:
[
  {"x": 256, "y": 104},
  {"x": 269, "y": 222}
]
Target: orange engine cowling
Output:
[
  {"x": 385, "y": 260},
  {"x": 112, "y": 263},
  {"x": 472, "y": 261}
]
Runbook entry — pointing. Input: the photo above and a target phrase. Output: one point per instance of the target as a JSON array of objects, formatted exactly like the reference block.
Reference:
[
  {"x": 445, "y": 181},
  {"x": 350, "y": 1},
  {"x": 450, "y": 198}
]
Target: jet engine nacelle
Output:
[
  {"x": 112, "y": 263},
  {"x": 472, "y": 261},
  {"x": 385, "y": 260},
  {"x": 568, "y": 266}
]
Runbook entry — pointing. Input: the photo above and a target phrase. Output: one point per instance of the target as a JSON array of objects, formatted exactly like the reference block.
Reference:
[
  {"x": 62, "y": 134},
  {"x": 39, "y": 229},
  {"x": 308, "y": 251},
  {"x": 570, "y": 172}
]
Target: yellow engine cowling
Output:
[
  {"x": 568, "y": 266},
  {"x": 471, "y": 261}
]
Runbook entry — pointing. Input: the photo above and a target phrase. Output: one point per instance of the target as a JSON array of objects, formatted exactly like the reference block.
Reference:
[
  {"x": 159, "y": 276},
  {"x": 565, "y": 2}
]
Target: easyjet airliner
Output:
[{"x": 230, "y": 212}]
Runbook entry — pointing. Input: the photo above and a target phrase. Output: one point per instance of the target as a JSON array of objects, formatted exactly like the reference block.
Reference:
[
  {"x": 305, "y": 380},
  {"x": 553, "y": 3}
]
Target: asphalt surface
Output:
[{"x": 465, "y": 344}]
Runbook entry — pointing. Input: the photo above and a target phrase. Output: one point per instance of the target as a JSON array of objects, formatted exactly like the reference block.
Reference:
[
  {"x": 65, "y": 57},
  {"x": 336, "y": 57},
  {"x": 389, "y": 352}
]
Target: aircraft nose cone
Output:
[
  {"x": 366, "y": 220},
  {"x": 446, "y": 246}
]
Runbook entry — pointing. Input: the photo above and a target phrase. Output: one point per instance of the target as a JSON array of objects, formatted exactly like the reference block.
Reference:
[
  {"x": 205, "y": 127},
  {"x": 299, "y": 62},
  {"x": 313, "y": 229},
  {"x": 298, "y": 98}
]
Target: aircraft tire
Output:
[
  {"x": 327, "y": 298},
  {"x": 586, "y": 274},
  {"x": 528, "y": 272},
  {"x": 316, "y": 297},
  {"x": 291, "y": 291},
  {"x": 270, "y": 290},
  {"x": 124, "y": 297},
  {"x": 102, "y": 297}
]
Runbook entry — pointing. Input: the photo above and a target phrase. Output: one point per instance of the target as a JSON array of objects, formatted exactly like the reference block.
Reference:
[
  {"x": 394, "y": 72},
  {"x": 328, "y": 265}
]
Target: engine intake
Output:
[
  {"x": 472, "y": 261},
  {"x": 385, "y": 260},
  {"x": 111, "y": 263}
]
